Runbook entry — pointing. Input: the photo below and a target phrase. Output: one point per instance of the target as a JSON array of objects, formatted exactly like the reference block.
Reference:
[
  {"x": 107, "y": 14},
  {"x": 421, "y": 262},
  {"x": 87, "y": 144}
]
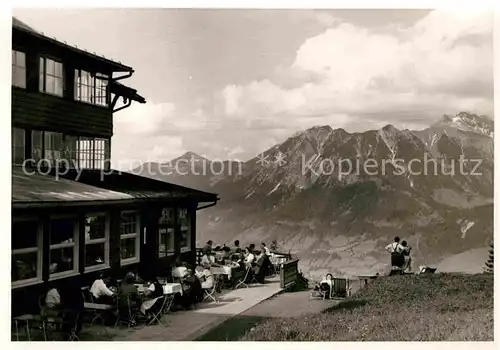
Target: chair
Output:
[
  {"x": 157, "y": 315},
  {"x": 126, "y": 312},
  {"x": 242, "y": 281},
  {"x": 211, "y": 293}
]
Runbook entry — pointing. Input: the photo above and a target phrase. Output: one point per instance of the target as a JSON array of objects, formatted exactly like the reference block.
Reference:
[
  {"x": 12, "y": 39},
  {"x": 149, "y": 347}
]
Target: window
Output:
[
  {"x": 26, "y": 252},
  {"x": 18, "y": 139},
  {"x": 96, "y": 241},
  {"x": 185, "y": 229},
  {"x": 54, "y": 147},
  {"x": 91, "y": 87},
  {"x": 92, "y": 153},
  {"x": 51, "y": 76},
  {"x": 129, "y": 237},
  {"x": 18, "y": 69},
  {"x": 63, "y": 240},
  {"x": 36, "y": 145},
  {"x": 166, "y": 232},
  {"x": 70, "y": 150}
]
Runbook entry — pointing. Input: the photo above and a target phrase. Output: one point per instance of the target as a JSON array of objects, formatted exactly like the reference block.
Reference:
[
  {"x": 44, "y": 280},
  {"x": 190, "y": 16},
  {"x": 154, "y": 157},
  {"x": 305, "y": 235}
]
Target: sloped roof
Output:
[
  {"x": 90, "y": 187},
  {"x": 20, "y": 25}
]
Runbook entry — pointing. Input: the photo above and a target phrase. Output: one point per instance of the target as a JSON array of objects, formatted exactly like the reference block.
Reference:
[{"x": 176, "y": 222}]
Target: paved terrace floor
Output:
[{"x": 189, "y": 325}]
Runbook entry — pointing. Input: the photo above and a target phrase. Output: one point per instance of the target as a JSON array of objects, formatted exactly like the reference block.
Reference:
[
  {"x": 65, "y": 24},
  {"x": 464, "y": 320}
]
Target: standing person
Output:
[
  {"x": 396, "y": 251},
  {"x": 407, "y": 257}
]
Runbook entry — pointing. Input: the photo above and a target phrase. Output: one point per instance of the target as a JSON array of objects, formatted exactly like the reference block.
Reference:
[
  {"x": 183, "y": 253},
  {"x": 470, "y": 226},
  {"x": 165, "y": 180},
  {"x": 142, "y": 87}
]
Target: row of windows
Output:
[
  {"x": 166, "y": 231},
  {"x": 27, "y": 250},
  {"x": 78, "y": 151},
  {"x": 89, "y": 87},
  {"x": 64, "y": 249}
]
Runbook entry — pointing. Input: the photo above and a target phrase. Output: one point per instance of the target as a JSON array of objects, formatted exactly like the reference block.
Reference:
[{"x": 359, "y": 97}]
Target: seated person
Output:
[
  {"x": 249, "y": 257},
  {"x": 152, "y": 293},
  {"x": 236, "y": 249},
  {"x": 208, "y": 259},
  {"x": 52, "y": 303},
  {"x": 72, "y": 300},
  {"x": 226, "y": 255},
  {"x": 206, "y": 278},
  {"x": 234, "y": 262},
  {"x": 100, "y": 291},
  {"x": 325, "y": 285},
  {"x": 127, "y": 287},
  {"x": 192, "y": 291}
]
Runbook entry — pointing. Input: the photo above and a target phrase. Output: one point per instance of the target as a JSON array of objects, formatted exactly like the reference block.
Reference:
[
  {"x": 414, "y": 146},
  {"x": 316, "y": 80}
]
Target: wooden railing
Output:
[{"x": 288, "y": 273}]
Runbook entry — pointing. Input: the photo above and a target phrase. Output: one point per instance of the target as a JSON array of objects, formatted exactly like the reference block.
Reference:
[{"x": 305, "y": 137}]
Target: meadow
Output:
[{"x": 427, "y": 307}]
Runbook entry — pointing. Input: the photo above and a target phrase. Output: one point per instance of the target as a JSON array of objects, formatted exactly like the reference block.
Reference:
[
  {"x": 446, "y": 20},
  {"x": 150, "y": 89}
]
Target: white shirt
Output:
[
  {"x": 394, "y": 247},
  {"x": 52, "y": 299},
  {"x": 179, "y": 272},
  {"x": 99, "y": 289},
  {"x": 207, "y": 260},
  {"x": 267, "y": 251},
  {"x": 249, "y": 258}
]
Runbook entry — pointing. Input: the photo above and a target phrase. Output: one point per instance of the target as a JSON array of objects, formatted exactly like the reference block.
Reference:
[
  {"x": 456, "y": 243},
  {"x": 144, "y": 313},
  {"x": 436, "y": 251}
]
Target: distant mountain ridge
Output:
[{"x": 295, "y": 193}]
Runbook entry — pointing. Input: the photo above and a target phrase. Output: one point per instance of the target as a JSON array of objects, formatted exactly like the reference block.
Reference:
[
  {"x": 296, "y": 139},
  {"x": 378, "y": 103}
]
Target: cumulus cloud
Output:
[
  {"x": 426, "y": 69},
  {"x": 347, "y": 76}
]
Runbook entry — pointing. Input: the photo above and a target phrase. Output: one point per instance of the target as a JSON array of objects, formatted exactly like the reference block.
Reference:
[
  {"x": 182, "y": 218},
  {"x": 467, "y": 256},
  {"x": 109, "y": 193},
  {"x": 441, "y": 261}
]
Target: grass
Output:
[{"x": 440, "y": 307}]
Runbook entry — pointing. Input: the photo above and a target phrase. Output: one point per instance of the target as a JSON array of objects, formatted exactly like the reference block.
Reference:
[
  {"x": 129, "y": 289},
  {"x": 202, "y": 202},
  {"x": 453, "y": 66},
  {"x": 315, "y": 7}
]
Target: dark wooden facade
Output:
[{"x": 43, "y": 198}]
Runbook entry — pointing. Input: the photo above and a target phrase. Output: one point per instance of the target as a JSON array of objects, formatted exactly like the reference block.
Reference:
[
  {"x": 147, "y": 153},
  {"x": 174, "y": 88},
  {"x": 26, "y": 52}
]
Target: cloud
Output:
[
  {"x": 441, "y": 64},
  {"x": 347, "y": 76}
]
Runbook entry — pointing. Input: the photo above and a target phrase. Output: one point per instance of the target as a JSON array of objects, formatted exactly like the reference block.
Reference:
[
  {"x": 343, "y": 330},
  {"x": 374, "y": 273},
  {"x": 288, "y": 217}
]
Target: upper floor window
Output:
[
  {"x": 91, "y": 87},
  {"x": 18, "y": 69},
  {"x": 72, "y": 151},
  {"x": 18, "y": 145},
  {"x": 51, "y": 76}
]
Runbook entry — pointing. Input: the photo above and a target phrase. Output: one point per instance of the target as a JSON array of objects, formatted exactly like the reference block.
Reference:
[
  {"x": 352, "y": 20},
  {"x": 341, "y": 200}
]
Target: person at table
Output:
[
  {"x": 249, "y": 257},
  {"x": 208, "y": 246},
  {"x": 206, "y": 278},
  {"x": 52, "y": 302},
  {"x": 152, "y": 293},
  {"x": 236, "y": 249},
  {"x": 265, "y": 249},
  {"x": 73, "y": 304},
  {"x": 128, "y": 296},
  {"x": 226, "y": 255},
  {"x": 101, "y": 292},
  {"x": 208, "y": 259},
  {"x": 192, "y": 291},
  {"x": 128, "y": 288}
]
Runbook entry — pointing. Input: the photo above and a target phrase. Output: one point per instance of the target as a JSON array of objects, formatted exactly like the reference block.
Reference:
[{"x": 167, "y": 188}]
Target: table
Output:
[
  {"x": 221, "y": 270},
  {"x": 168, "y": 288}
]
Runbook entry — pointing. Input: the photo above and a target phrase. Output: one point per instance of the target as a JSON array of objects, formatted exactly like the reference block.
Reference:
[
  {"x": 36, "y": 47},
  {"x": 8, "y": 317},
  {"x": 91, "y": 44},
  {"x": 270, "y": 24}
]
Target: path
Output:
[
  {"x": 189, "y": 325},
  {"x": 293, "y": 304}
]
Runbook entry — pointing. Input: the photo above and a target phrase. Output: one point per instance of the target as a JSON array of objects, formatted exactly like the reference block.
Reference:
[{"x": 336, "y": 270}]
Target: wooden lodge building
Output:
[{"x": 78, "y": 218}]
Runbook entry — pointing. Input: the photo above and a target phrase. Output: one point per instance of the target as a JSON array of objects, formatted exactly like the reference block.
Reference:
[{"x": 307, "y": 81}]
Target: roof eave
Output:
[{"x": 116, "y": 66}]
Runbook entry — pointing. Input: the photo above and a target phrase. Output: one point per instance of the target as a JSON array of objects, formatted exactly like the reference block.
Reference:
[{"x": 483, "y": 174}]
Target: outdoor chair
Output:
[
  {"x": 211, "y": 293},
  {"x": 242, "y": 281},
  {"x": 127, "y": 312},
  {"x": 157, "y": 314}
]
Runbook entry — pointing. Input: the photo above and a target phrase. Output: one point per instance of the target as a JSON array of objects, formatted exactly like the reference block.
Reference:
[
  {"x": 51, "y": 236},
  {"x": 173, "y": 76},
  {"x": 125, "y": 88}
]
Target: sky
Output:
[{"x": 229, "y": 84}]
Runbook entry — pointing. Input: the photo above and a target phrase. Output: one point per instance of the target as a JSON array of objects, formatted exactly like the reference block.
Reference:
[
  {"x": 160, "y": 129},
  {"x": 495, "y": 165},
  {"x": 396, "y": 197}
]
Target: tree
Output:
[{"x": 489, "y": 264}]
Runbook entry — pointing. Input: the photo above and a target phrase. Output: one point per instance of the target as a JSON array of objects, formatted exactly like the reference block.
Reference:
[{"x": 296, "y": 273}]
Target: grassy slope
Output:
[{"x": 441, "y": 307}]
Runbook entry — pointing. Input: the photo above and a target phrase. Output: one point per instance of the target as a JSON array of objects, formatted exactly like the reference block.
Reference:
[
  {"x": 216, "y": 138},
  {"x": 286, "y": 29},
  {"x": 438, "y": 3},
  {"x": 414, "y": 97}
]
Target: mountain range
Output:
[{"x": 337, "y": 198}]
